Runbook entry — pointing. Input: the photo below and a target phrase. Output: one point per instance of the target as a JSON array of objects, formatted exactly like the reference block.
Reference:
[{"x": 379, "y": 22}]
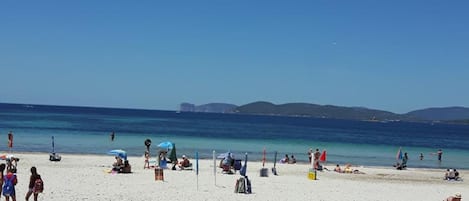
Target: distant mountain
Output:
[
  {"x": 318, "y": 111},
  {"x": 441, "y": 114},
  {"x": 447, "y": 114},
  {"x": 211, "y": 107}
]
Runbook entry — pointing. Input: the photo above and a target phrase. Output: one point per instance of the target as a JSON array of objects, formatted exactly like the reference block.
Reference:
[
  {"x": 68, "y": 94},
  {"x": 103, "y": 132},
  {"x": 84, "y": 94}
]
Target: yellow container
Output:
[{"x": 312, "y": 174}]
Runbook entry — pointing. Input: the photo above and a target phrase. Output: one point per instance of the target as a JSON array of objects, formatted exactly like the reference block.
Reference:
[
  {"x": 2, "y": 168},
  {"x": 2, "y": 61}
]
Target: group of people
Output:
[
  {"x": 402, "y": 162},
  {"x": 289, "y": 160},
  {"x": 314, "y": 157},
  {"x": 401, "y": 165},
  {"x": 227, "y": 163},
  {"x": 347, "y": 169},
  {"x": 9, "y": 180},
  {"x": 451, "y": 174},
  {"x": 121, "y": 166},
  {"x": 184, "y": 163}
]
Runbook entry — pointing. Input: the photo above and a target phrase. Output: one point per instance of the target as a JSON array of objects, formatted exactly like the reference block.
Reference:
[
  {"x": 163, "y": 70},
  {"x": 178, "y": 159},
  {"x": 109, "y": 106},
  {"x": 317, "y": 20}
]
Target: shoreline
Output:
[
  {"x": 81, "y": 177},
  {"x": 299, "y": 162}
]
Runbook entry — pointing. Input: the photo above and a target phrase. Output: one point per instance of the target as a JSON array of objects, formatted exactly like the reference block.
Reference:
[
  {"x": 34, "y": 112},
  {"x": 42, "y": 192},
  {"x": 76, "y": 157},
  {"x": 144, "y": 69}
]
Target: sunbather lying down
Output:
[{"x": 348, "y": 169}]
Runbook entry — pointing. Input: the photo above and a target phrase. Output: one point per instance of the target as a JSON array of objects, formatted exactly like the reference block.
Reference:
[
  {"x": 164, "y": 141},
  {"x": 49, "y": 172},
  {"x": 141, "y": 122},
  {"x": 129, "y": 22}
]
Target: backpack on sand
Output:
[
  {"x": 8, "y": 186},
  {"x": 38, "y": 186}
]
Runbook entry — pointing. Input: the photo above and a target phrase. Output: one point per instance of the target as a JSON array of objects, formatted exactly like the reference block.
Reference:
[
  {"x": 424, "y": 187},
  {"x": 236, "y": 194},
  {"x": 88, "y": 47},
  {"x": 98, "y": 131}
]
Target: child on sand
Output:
[
  {"x": 147, "y": 160},
  {"x": 337, "y": 169}
]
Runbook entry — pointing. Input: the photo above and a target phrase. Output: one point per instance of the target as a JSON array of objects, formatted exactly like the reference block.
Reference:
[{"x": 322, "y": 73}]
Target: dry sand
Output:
[{"x": 84, "y": 177}]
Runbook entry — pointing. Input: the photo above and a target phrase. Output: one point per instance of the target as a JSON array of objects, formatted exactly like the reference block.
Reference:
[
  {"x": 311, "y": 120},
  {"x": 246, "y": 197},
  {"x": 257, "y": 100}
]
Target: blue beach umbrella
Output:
[
  {"x": 118, "y": 152},
  {"x": 224, "y": 155},
  {"x": 165, "y": 145}
]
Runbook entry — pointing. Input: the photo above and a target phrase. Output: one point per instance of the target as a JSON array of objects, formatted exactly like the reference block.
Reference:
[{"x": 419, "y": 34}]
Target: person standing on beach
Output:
[
  {"x": 146, "y": 163},
  {"x": 310, "y": 154},
  {"x": 36, "y": 184},
  {"x": 112, "y": 136},
  {"x": 317, "y": 154},
  {"x": 9, "y": 182},
  {"x": 10, "y": 140}
]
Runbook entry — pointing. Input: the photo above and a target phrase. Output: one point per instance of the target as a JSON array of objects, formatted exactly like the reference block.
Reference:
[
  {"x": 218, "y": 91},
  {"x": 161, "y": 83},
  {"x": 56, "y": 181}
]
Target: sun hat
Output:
[
  {"x": 183, "y": 156},
  {"x": 457, "y": 195}
]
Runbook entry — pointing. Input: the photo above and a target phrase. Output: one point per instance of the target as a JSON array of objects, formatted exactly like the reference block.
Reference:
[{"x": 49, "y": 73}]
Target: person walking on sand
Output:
[
  {"x": 9, "y": 182},
  {"x": 36, "y": 184}
]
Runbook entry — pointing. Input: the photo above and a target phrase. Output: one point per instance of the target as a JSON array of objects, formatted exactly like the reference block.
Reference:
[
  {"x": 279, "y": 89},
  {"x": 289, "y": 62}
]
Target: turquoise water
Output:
[{"x": 86, "y": 131}]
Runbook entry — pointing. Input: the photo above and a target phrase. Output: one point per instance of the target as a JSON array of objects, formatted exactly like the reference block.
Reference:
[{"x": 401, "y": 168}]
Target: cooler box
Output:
[
  {"x": 264, "y": 172},
  {"x": 159, "y": 174},
  {"x": 312, "y": 174}
]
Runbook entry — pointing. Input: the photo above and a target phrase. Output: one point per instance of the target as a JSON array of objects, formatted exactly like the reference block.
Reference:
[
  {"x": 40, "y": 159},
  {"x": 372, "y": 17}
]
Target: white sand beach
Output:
[{"x": 83, "y": 177}]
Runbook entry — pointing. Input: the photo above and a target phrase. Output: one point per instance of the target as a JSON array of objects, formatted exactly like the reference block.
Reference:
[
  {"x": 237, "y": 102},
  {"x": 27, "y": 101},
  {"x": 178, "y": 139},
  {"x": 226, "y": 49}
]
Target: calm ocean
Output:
[{"x": 86, "y": 130}]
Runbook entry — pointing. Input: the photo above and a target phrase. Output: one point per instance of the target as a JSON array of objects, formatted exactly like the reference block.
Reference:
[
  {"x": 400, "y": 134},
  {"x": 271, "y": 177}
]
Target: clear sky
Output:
[{"x": 390, "y": 55}]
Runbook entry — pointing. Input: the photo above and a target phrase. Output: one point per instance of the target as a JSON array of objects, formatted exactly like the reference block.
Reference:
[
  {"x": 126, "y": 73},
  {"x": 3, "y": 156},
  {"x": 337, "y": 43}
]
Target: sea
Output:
[{"x": 86, "y": 130}]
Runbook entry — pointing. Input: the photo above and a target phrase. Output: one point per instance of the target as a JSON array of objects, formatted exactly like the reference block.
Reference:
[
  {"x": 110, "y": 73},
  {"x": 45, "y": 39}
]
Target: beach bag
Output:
[
  {"x": 159, "y": 176},
  {"x": 248, "y": 185},
  {"x": 243, "y": 185},
  {"x": 8, "y": 187},
  {"x": 240, "y": 186},
  {"x": 38, "y": 186}
]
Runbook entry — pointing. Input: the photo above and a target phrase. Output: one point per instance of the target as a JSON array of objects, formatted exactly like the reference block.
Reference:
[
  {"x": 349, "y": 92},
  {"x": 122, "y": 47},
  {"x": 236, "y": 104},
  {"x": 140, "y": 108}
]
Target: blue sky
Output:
[{"x": 391, "y": 55}]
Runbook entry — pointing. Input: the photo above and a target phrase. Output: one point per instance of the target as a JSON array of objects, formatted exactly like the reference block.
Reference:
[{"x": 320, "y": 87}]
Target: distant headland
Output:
[{"x": 445, "y": 114}]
